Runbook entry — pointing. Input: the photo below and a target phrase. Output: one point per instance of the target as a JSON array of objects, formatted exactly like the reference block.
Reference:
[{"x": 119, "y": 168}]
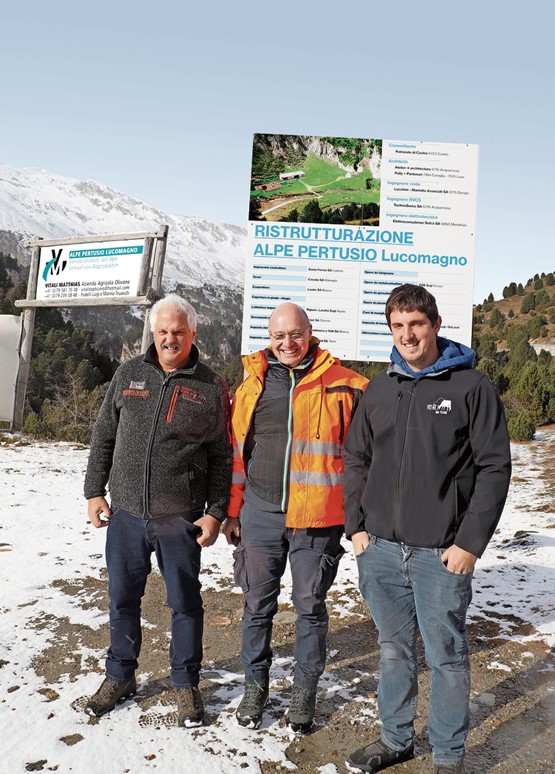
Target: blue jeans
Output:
[
  {"x": 129, "y": 544},
  {"x": 260, "y": 562},
  {"x": 406, "y": 589}
]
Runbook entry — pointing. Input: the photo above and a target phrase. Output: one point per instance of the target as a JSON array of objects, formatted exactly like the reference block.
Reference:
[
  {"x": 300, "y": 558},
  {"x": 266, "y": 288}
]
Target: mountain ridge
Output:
[{"x": 37, "y": 203}]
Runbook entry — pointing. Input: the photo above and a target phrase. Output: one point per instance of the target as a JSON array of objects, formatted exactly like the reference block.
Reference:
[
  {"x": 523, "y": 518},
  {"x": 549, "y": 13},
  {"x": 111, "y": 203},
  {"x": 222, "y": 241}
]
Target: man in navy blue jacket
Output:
[{"x": 427, "y": 472}]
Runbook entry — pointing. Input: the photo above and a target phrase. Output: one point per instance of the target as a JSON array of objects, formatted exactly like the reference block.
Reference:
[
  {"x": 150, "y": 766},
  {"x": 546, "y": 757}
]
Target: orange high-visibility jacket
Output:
[{"x": 322, "y": 405}]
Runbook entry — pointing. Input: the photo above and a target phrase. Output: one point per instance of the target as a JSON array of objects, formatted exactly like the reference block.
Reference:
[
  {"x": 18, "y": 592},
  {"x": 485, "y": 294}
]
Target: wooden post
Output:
[
  {"x": 147, "y": 335},
  {"x": 156, "y": 281},
  {"x": 26, "y": 343},
  {"x": 159, "y": 257},
  {"x": 143, "y": 277}
]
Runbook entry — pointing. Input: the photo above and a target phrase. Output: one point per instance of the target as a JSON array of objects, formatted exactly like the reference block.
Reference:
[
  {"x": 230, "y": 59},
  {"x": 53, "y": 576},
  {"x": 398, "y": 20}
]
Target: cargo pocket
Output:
[
  {"x": 240, "y": 568},
  {"x": 327, "y": 572}
]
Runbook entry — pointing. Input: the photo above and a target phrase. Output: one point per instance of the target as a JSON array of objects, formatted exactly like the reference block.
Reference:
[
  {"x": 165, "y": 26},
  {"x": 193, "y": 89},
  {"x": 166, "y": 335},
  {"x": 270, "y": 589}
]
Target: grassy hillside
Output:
[
  {"x": 514, "y": 339},
  {"x": 533, "y": 307}
]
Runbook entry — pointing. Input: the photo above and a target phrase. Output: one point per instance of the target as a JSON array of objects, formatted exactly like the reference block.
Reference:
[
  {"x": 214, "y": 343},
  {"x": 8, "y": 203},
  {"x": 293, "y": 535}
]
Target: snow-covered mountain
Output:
[{"x": 37, "y": 203}]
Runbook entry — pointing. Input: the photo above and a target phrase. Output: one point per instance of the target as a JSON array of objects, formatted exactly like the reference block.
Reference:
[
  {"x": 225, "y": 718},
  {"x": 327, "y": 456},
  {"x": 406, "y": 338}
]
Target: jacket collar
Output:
[
  {"x": 301, "y": 368},
  {"x": 257, "y": 363},
  {"x": 188, "y": 367}
]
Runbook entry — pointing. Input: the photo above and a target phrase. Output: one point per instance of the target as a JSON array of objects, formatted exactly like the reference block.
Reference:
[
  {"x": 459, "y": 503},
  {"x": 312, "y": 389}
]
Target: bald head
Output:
[
  {"x": 290, "y": 331},
  {"x": 288, "y": 309}
]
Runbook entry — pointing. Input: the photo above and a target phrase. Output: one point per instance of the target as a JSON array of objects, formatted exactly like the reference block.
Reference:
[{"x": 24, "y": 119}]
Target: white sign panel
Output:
[
  {"x": 337, "y": 223},
  {"x": 90, "y": 270},
  {"x": 10, "y": 336}
]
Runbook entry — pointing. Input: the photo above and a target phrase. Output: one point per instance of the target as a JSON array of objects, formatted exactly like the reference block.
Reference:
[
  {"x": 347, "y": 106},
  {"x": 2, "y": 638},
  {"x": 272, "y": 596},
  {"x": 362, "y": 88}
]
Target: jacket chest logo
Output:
[
  {"x": 136, "y": 390},
  {"x": 188, "y": 393},
  {"x": 440, "y": 406}
]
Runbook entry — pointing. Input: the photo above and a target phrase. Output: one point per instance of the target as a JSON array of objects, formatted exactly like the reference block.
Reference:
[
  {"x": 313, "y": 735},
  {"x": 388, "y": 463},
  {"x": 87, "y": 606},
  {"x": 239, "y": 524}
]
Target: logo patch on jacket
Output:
[
  {"x": 441, "y": 406},
  {"x": 189, "y": 393},
  {"x": 136, "y": 390}
]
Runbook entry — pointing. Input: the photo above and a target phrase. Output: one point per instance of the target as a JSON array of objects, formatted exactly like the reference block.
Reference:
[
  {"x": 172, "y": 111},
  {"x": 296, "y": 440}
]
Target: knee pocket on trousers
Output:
[
  {"x": 326, "y": 572},
  {"x": 240, "y": 572}
]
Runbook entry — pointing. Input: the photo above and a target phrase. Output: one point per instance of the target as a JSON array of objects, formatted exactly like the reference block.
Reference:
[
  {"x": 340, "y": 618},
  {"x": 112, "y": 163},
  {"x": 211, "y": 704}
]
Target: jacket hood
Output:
[{"x": 452, "y": 355}]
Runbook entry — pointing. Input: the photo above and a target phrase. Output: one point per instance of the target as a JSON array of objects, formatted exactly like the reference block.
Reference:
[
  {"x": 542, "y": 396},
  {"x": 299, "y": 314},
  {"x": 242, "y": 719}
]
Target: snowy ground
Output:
[{"x": 45, "y": 538}]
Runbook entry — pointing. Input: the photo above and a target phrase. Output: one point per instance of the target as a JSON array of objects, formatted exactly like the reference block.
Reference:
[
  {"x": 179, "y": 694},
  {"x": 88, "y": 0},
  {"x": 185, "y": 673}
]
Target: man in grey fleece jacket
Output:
[{"x": 161, "y": 443}]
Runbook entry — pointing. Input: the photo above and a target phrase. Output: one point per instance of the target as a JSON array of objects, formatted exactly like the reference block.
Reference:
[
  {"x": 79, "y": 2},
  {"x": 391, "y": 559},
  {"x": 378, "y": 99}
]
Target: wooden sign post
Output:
[{"x": 100, "y": 270}]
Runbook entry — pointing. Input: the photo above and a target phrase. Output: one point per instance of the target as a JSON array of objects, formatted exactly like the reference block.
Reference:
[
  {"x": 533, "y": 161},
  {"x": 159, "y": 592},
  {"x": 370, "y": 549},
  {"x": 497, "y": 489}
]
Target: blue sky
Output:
[{"x": 161, "y": 100}]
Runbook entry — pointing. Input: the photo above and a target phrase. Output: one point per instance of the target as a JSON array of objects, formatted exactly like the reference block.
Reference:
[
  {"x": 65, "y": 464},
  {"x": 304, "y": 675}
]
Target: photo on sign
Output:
[{"x": 307, "y": 179}]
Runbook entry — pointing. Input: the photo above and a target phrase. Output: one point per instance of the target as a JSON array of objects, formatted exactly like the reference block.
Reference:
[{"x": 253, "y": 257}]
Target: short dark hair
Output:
[{"x": 411, "y": 298}]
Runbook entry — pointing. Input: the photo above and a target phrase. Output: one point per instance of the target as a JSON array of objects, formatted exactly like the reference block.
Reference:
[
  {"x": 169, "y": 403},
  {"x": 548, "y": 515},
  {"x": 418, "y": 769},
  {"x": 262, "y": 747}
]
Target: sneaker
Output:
[
  {"x": 377, "y": 756},
  {"x": 249, "y": 712},
  {"x": 108, "y": 695},
  {"x": 190, "y": 709},
  {"x": 302, "y": 709},
  {"x": 449, "y": 768}
]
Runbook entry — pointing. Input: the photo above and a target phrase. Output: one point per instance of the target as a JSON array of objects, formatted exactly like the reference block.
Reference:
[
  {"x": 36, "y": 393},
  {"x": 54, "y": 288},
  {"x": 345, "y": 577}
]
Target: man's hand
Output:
[
  {"x": 359, "y": 540},
  {"x": 458, "y": 561},
  {"x": 98, "y": 511},
  {"x": 210, "y": 527},
  {"x": 232, "y": 531}
]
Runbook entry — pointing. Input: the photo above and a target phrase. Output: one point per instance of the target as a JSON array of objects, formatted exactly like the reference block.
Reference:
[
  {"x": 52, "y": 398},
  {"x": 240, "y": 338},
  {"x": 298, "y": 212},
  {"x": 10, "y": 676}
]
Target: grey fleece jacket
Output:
[{"x": 162, "y": 440}]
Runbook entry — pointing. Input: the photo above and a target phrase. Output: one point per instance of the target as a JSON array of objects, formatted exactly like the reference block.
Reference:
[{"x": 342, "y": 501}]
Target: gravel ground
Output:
[{"x": 513, "y": 690}]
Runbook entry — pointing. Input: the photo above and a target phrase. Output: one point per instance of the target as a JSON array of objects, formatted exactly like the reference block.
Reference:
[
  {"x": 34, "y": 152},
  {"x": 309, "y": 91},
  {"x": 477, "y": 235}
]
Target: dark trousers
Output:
[
  {"x": 129, "y": 544},
  {"x": 260, "y": 562}
]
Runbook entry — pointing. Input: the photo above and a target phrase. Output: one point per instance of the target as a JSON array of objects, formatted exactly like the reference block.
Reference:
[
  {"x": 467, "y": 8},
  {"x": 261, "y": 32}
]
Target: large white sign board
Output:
[
  {"x": 10, "y": 335},
  {"x": 389, "y": 212},
  {"x": 90, "y": 270}
]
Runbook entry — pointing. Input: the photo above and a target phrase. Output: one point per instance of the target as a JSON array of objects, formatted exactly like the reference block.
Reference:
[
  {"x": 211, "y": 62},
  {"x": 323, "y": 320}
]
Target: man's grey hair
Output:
[{"x": 174, "y": 303}]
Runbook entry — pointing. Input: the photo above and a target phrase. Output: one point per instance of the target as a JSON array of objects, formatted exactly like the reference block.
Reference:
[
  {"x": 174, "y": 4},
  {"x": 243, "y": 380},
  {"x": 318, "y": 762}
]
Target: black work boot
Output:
[
  {"x": 108, "y": 695},
  {"x": 249, "y": 712},
  {"x": 190, "y": 709},
  {"x": 377, "y": 756},
  {"x": 302, "y": 709}
]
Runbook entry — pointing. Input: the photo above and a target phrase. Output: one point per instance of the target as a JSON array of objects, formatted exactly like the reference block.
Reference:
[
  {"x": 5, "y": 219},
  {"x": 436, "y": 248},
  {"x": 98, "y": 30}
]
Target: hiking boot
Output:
[
  {"x": 190, "y": 709},
  {"x": 449, "y": 768},
  {"x": 249, "y": 712},
  {"x": 108, "y": 695},
  {"x": 377, "y": 756},
  {"x": 302, "y": 709}
]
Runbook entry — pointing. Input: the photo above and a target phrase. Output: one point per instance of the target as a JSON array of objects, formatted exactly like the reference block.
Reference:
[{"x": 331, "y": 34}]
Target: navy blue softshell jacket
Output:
[{"x": 427, "y": 455}]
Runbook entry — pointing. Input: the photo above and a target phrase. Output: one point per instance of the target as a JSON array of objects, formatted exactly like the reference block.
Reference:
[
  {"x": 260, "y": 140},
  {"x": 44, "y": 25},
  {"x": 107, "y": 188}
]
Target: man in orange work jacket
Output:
[{"x": 289, "y": 421}]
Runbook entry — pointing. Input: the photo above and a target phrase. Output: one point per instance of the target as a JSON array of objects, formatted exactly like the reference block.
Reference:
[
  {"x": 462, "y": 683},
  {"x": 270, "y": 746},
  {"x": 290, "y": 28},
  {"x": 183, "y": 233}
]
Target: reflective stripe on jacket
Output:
[{"x": 324, "y": 402}]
